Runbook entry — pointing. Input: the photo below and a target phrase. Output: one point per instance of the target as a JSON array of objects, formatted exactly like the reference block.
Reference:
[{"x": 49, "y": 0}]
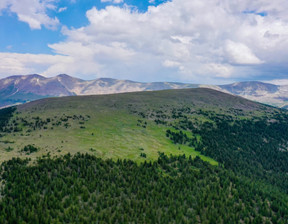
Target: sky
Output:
[{"x": 193, "y": 41}]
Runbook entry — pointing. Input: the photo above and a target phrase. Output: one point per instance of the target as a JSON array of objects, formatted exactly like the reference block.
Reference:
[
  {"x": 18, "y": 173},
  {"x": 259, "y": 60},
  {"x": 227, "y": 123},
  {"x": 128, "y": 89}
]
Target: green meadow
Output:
[
  {"x": 126, "y": 126},
  {"x": 105, "y": 126}
]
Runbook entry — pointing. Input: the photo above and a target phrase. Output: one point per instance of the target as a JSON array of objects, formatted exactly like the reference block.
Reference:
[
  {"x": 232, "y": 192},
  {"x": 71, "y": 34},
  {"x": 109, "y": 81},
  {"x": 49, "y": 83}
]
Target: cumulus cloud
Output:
[
  {"x": 113, "y": 1},
  {"x": 178, "y": 40},
  {"x": 32, "y": 12},
  {"x": 239, "y": 53},
  {"x": 20, "y": 64},
  {"x": 199, "y": 39}
]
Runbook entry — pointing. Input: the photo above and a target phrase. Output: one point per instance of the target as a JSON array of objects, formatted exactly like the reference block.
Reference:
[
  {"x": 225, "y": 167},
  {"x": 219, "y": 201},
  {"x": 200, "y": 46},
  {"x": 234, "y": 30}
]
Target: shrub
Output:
[{"x": 29, "y": 149}]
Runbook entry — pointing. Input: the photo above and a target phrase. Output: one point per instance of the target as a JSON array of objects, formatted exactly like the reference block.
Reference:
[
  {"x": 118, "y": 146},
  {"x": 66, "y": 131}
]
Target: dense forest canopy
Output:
[{"x": 86, "y": 189}]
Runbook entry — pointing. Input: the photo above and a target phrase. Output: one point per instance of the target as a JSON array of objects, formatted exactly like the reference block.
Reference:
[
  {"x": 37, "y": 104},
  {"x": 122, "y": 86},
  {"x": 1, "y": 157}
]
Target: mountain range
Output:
[
  {"x": 25, "y": 88},
  {"x": 21, "y": 89},
  {"x": 267, "y": 93}
]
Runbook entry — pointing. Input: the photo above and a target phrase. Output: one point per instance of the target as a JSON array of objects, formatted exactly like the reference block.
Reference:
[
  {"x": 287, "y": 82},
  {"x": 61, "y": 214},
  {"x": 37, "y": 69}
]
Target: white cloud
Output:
[
  {"x": 239, "y": 53},
  {"x": 280, "y": 82},
  {"x": 191, "y": 42},
  {"x": 62, "y": 9},
  {"x": 171, "y": 64},
  {"x": 19, "y": 64},
  {"x": 113, "y": 1},
  {"x": 220, "y": 70},
  {"x": 32, "y": 12},
  {"x": 180, "y": 40}
]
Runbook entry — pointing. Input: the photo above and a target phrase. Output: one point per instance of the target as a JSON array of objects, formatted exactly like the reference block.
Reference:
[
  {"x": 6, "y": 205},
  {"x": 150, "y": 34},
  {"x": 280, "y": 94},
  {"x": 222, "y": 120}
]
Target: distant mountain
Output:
[
  {"x": 253, "y": 88},
  {"x": 275, "y": 95},
  {"x": 21, "y": 89}
]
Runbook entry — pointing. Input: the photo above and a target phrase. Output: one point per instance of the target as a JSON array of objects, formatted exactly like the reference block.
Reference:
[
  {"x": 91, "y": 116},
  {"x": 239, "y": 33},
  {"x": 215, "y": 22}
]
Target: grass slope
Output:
[{"x": 115, "y": 126}]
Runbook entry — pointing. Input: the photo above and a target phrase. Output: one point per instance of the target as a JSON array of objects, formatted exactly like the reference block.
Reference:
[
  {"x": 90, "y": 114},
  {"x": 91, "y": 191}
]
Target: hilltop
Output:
[
  {"x": 145, "y": 147},
  {"x": 116, "y": 125}
]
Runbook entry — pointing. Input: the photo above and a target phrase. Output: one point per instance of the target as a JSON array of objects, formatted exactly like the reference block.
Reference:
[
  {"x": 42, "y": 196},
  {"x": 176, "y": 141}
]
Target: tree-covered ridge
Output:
[
  {"x": 257, "y": 149},
  {"x": 254, "y": 146},
  {"x": 87, "y": 189}
]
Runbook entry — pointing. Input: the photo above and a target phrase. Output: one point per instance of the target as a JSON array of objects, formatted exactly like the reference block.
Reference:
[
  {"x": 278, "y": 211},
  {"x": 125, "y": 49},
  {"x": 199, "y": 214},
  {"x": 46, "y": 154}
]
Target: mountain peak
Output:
[
  {"x": 32, "y": 76},
  {"x": 64, "y": 76}
]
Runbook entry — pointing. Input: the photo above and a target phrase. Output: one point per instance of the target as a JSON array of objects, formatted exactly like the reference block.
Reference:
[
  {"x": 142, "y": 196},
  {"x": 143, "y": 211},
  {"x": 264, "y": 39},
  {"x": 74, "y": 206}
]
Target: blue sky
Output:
[
  {"x": 210, "y": 42},
  {"x": 17, "y": 36}
]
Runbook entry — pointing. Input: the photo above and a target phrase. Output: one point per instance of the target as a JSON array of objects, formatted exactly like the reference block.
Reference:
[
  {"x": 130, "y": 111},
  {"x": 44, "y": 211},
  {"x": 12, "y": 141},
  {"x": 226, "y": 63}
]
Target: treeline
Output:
[
  {"x": 175, "y": 189},
  {"x": 253, "y": 146}
]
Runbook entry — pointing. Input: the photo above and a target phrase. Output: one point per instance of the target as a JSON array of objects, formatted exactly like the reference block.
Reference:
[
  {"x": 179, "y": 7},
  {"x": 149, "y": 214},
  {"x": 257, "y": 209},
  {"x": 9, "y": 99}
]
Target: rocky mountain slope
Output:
[
  {"x": 275, "y": 95},
  {"x": 21, "y": 89}
]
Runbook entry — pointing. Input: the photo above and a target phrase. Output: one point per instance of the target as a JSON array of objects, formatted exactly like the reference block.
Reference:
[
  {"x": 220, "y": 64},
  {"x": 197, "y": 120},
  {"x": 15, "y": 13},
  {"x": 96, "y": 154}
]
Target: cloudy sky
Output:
[{"x": 195, "y": 41}]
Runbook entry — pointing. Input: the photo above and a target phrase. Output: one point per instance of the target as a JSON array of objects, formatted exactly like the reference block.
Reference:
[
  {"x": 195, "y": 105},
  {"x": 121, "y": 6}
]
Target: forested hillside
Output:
[
  {"x": 256, "y": 147},
  {"x": 86, "y": 189},
  {"x": 142, "y": 159}
]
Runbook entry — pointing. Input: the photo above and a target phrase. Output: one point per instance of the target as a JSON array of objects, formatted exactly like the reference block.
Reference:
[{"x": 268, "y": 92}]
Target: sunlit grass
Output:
[{"x": 110, "y": 128}]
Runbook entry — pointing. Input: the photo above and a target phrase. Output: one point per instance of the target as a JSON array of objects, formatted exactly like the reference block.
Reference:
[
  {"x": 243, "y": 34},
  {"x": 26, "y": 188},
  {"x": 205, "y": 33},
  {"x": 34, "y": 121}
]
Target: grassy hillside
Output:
[
  {"x": 248, "y": 141},
  {"x": 110, "y": 126},
  {"x": 116, "y": 126}
]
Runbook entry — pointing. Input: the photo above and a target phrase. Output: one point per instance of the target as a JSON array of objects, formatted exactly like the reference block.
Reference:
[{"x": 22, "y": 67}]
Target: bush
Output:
[
  {"x": 29, "y": 149},
  {"x": 142, "y": 154},
  {"x": 9, "y": 149}
]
